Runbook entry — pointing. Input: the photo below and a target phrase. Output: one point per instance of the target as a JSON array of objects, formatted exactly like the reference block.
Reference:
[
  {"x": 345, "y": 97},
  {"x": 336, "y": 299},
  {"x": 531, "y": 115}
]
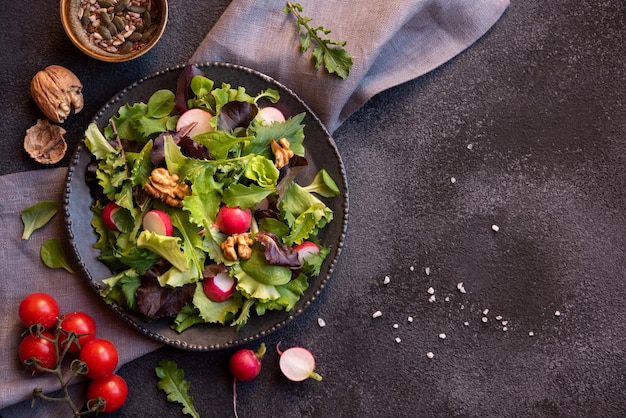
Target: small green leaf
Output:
[
  {"x": 172, "y": 382},
  {"x": 53, "y": 256},
  {"x": 323, "y": 184},
  {"x": 37, "y": 216},
  {"x": 160, "y": 104}
]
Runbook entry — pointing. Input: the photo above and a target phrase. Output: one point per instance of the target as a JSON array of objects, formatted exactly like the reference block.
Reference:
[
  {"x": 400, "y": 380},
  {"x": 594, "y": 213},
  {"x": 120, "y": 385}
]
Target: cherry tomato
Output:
[
  {"x": 101, "y": 358},
  {"x": 113, "y": 390},
  {"x": 81, "y": 324},
  {"x": 39, "y": 308},
  {"x": 34, "y": 348}
]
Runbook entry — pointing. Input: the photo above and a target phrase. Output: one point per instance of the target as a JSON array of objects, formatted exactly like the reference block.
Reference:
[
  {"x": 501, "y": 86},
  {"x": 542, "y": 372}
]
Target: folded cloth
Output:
[
  {"x": 23, "y": 272},
  {"x": 390, "y": 42}
]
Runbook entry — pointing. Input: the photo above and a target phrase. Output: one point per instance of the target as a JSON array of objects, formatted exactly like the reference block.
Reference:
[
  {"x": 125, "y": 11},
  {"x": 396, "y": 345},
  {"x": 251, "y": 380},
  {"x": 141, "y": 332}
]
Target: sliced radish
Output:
[
  {"x": 107, "y": 215},
  {"x": 297, "y": 364},
  {"x": 306, "y": 250},
  {"x": 200, "y": 117},
  {"x": 158, "y": 222},
  {"x": 219, "y": 287},
  {"x": 233, "y": 220},
  {"x": 269, "y": 115}
]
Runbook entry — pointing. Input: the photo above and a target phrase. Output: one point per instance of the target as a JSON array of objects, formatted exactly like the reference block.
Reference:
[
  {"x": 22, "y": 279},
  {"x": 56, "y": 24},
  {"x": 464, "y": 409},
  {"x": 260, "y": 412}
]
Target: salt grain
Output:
[
  {"x": 485, "y": 312},
  {"x": 499, "y": 317},
  {"x": 412, "y": 268},
  {"x": 386, "y": 280},
  {"x": 398, "y": 340},
  {"x": 430, "y": 354},
  {"x": 496, "y": 228},
  {"x": 321, "y": 322},
  {"x": 470, "y": 146},
  {"x": 505, "y": 322},
  {"x": 410, "y": 319},
  {"x": 377, "y": 314},
  {"x": 396, "y": 326},
  {"x": 452, "y": 180},
  {"x": 432, "y": 299},
  {"x": 447, "y": 299},
  {"x": 460, "y": 287},
  {"x": 427, "y": 271},
  {"x": 531, "y": 334},
  {"x": 442, "y": 336},
  {"x": 504, "y": 328},
  {"x": 466, "y": 323},
  {"x": 557, "y": 313},
  {"x": 430, "y": 290},
  {"x": 484, "y": 319}
]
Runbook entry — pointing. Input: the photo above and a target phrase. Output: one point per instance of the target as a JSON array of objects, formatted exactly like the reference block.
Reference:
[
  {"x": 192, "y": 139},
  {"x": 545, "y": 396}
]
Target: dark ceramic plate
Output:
[{"x": 321, "y": 152}]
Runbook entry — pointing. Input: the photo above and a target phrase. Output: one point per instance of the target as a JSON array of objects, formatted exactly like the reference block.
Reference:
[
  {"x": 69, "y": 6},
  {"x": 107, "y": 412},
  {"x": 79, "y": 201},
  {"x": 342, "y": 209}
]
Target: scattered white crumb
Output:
[
  {"x": 442, "y": 336},
  {"x": 396, "y": 326},
  {"x": 460, "y": 287},
  {"x": 505, "y": 322},
  {"x": 505, "y": 328},
  {"x": 447, "y": 299},
  {"x": 466, "y": 323},
  {"x": 432, "y": 299},
  {"x": 377, "y": 314},
  {"x": 430, "y": 354},
  {"x": 499, "y": 317},
  {"x": 427, "y": 271},
  {"x": 484, "y": 319},
  {"x": 470, "y": 146},
  {"x": 531, "y": 334},
  {"x": 410, "y": 319},
  {"x": 398, "y": 340},
  {"x": 557, "y": 313},
  {"x": 430, "y": 290},
  {"x": 452, "y": 180},
  {"x": 496, "y": 228},
  {"x": 321, "y": 322},
  {"x": 485, "y": 312},
  {"x": 412, "y": 268},
  {"x": 386, "y": 280}
]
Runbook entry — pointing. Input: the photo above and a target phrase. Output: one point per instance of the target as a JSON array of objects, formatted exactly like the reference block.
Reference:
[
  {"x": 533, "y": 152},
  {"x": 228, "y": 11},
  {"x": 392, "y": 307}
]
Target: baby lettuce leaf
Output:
[
  {"x": 167, "y": 247},
  {"x": 172, "y": 382},
  {"x": 53, "y": 256},
  {"x": 304, "y": 213},
  {"x": 37, "y": 216},
  {"x": 323, "y": 184}
]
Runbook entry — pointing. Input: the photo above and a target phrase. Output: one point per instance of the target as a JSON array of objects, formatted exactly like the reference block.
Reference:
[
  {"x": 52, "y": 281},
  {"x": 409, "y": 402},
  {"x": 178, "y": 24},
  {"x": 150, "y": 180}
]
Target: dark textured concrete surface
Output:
[{"x": 525, "y": 130}]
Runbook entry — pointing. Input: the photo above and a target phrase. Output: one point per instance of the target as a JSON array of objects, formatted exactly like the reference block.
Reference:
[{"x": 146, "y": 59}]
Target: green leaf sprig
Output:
[
  {"x": 331, "y": 53},
  {"x": 172, "y": 381}
]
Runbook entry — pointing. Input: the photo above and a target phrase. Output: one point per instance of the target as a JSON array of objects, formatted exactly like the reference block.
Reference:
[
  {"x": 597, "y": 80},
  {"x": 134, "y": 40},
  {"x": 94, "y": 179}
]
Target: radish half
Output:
[
  {"x": 107, "y": 215},
  {"x": 269, "y": 115},
  {"x": 201, "y": 118},
  {"x": 158, "y": 222},
  {"x": 219, "y": 287},
  {"x": 297, "y": 364},
  {"x": 306, "y": 250}
]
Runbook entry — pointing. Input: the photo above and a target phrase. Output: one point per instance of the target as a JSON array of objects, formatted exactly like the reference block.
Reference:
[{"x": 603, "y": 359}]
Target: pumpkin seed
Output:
[
  {"x": 147, "y": 19},
  {"x": 139, "y": 28},
  {"x": 112, "y": 28},
  {"x": 136, "y": 9},
  {"x": 125, "y": 47},
  {"x": 105, "y": 19},
  {"x": 121, "y": 5},
  {"x": 119, "y": 23},
  {"x": 104, "y": 32},
  {"x": 134, "y": 37},
  {"x": 105, "y": 4},
  {"x": 145, "y": 37}
]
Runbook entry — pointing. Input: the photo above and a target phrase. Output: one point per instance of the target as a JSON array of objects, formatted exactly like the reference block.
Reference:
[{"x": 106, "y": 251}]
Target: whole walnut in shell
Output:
[
  {"x": 44, "y": 142},
  {"x": 58, "y": 92}
]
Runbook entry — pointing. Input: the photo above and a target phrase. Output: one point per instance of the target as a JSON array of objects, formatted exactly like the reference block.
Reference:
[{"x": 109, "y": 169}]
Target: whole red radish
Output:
[
  {"x": 158, "y": 222},
  {"x": 200, "y": 117},
  {"x": 233, "y": 220},
  {"x": 245, "y": 364},
  {"x": 220, "y": 287},
  {"x": 107, "y": 215}
]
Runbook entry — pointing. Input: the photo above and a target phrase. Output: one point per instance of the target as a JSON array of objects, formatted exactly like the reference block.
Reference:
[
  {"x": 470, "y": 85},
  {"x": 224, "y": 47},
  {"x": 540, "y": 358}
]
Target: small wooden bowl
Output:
[{"x": 72, "y": 12}]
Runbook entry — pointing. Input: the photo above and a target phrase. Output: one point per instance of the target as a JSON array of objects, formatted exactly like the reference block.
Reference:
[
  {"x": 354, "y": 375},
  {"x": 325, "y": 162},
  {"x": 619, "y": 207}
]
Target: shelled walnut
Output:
[
  {"x": 282, "y": 152},
  {"x": 58, "y": 92},
  {"x": 44, "y": 142},
  {"x": 237, "y": 246},
  {"x": 165, "y": 186}
]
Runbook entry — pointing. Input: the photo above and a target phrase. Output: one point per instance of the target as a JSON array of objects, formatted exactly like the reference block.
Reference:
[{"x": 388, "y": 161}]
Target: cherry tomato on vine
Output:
[
  {"x": 79, "y": 323},
  {"x": 113, "y": 390},
  {"x": 37, "y": 349},
  {"x": 101, "y": 358},
  {"x": 39, "y": 308}
]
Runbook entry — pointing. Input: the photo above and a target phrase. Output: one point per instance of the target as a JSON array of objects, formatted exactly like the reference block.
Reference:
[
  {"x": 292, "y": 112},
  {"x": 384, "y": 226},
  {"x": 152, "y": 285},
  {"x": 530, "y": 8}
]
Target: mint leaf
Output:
[{"x": 172, "y": 382}]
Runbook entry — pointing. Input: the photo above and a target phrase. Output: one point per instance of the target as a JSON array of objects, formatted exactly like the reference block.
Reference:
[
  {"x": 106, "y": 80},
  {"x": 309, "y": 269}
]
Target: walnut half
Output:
[
  {"x": 44, "y": 142},
  {"x": 58, "y": 92},
  {"x": 165, "y": 186}
]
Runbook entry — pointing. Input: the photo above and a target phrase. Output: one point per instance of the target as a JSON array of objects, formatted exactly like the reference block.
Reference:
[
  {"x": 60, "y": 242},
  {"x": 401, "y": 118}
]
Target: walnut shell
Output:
[
  {"x": 58, "y": 92},
  {"x": 44, "y": 142}
]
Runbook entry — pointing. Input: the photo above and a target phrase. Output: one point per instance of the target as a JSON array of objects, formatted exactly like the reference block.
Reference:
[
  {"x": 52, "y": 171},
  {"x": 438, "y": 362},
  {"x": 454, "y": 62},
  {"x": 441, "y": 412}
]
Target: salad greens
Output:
[{"x": 232, "y": 165}]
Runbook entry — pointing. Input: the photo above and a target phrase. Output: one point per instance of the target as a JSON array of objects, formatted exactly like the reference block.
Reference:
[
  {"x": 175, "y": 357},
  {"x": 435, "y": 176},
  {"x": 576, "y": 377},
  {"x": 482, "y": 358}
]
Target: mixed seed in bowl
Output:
[{"x": 119, "y": 26}]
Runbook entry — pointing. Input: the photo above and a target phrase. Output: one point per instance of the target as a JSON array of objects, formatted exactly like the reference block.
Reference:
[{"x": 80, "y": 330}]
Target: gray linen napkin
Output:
[
  {"x": 390, "y": 42},
  {"x": 23, "y": 272}
]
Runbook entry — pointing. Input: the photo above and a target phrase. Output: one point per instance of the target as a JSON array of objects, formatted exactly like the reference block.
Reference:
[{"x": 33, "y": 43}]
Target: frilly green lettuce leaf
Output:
[{"x": 167, "y": 247}]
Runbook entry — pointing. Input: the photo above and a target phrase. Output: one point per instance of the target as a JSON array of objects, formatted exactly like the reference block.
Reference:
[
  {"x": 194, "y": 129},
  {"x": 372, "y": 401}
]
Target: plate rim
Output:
[{"x": 128, "y": 316}]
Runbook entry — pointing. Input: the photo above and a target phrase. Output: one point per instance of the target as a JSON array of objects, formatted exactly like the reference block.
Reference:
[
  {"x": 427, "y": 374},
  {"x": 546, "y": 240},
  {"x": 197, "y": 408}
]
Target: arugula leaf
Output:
[
  {"x": 172, "y": 382},
  {"x": 331, "y": 53},
  {"x": 37, "y": 216},
  {"x": 53, "y": 256}
]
